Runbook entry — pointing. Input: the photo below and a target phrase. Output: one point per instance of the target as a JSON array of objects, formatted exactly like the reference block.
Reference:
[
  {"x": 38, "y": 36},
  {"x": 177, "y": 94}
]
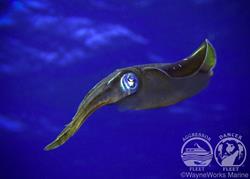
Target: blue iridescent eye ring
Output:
[{"x": 129, "y": 83}]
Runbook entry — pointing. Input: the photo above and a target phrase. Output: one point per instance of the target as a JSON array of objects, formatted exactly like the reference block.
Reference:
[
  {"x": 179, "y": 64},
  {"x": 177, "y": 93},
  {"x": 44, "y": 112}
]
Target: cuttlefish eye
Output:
[{"x": 129, "y": 83}]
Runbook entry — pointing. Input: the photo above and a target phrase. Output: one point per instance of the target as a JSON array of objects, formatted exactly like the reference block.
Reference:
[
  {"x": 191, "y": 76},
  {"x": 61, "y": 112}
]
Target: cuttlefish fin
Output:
[
  {"x": 202, "y": 60},
  {"x": 210, "y": 59}
]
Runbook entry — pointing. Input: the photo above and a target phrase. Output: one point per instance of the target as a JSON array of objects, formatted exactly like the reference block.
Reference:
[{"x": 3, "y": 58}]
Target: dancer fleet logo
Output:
[{"x": 230, "y": 151}]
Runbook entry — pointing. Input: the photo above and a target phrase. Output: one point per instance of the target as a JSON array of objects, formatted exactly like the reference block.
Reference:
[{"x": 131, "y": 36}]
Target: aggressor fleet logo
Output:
[{"x": 197, "y": 151}]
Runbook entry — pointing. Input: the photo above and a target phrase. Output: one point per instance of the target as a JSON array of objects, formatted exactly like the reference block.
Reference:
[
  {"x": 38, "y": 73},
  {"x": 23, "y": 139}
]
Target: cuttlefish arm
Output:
[{"x": 145, "y": 87}]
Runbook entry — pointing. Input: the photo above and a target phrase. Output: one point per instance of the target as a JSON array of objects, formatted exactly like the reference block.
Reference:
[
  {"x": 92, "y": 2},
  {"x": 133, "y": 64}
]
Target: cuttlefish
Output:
[{"x": 145, "y": 87}]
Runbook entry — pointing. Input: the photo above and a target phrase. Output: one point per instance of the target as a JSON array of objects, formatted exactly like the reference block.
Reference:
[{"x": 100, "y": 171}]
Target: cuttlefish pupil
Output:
[{"x": 129, "y": 83}]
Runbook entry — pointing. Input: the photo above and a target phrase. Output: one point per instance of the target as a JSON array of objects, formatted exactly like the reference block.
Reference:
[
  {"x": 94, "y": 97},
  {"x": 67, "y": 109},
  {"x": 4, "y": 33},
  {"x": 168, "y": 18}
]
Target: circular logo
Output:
[
  {"x": 230, "y": 152},
  {"x": 196, "y": 152}
]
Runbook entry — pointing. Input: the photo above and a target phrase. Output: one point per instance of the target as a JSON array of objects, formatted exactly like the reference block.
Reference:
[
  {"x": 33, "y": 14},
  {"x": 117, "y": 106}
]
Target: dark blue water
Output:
[{"x": 53, "y": 52}]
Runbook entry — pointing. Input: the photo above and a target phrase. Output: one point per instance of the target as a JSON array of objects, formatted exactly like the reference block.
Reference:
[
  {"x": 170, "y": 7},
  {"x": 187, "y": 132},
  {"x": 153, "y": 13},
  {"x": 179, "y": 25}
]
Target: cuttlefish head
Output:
[{"x": 144, "y": 87}]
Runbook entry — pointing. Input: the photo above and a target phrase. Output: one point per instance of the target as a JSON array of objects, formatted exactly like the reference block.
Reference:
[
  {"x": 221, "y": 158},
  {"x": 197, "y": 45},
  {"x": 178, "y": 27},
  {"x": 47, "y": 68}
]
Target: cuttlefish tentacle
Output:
[
  {"x": 145, "y": 87},
  {"x": 94, "y": 99}
]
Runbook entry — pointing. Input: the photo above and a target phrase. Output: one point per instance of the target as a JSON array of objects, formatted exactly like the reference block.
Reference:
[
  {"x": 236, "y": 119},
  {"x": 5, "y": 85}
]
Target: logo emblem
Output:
[
  {"x": 197, "y": 151},
  {"x": 230, "y": 152}
]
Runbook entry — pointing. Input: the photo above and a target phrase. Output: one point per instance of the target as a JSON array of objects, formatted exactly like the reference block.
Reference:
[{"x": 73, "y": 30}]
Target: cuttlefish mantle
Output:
[{"x": 145, "y": 87}]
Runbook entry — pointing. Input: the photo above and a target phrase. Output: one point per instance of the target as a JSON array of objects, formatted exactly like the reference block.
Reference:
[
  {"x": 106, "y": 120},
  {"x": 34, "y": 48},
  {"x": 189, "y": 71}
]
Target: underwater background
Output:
[{"x": 53, "y": 52}]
